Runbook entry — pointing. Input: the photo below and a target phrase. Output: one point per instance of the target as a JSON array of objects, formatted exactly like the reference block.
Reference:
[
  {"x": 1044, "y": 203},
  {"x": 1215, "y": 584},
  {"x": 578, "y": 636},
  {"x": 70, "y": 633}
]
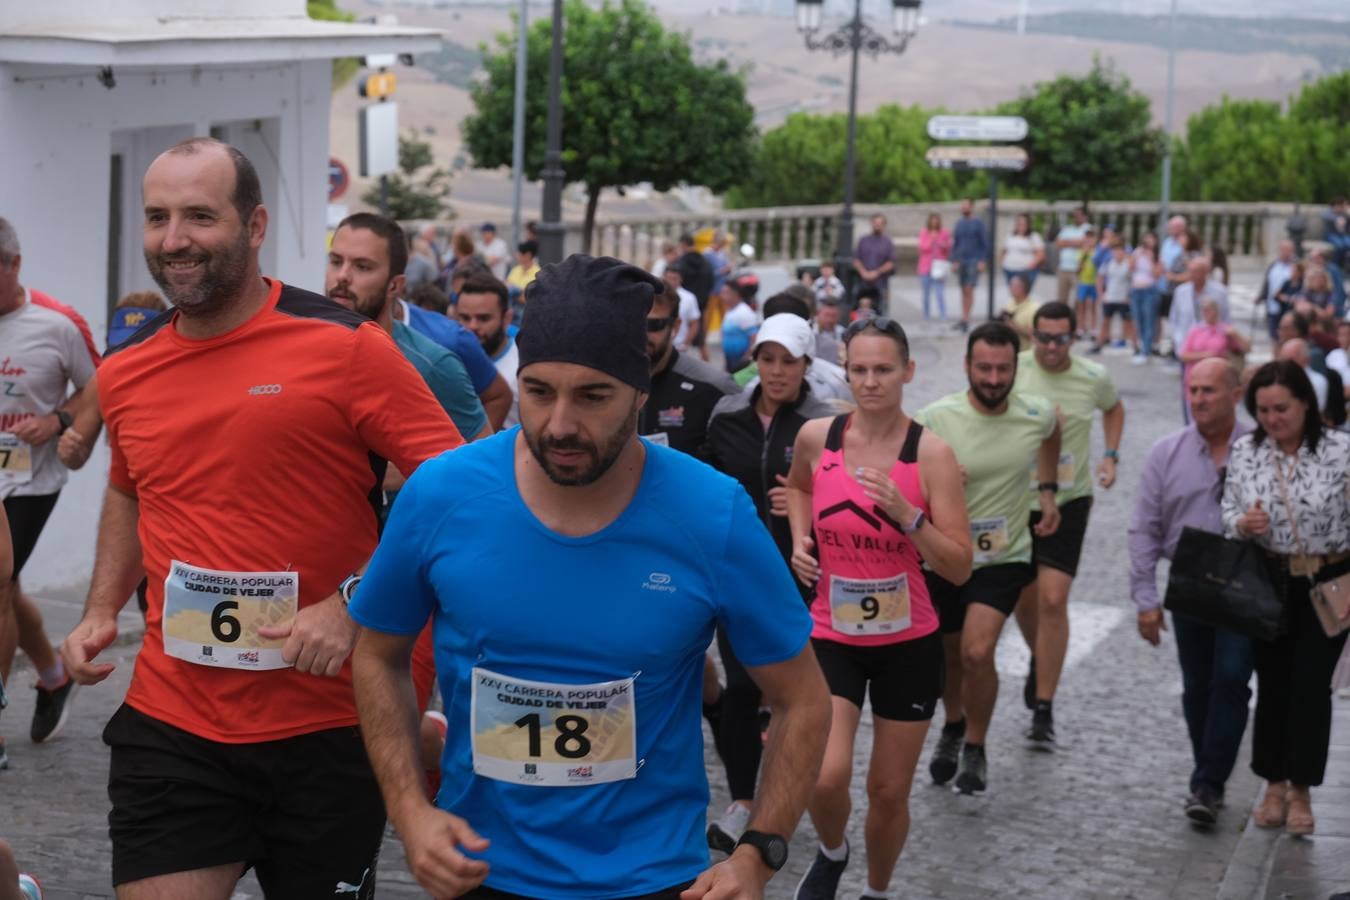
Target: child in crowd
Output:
[{"x": 1087, "y": 285}]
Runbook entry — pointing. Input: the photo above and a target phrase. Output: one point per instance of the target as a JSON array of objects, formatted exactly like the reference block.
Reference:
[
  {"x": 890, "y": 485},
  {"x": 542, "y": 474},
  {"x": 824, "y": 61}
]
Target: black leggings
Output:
[
  {"x": 1292, "y": 727},
  {"x": 27, "y": 517},
  {"x": 738, "y": 740}
]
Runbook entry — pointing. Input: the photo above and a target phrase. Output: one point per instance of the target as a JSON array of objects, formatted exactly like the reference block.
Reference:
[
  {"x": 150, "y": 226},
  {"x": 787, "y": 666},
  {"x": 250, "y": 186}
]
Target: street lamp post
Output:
[
  {"x": 550, "y": 219},
  {"x": 853, "y": 37}
]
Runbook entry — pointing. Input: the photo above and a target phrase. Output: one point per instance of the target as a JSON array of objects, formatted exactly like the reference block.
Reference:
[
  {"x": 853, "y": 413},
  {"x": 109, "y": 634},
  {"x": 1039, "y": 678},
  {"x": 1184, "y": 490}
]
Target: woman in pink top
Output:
[
  {"x": 935, "y": 244},
  {"x": 1209, "y": 338},
  {"x": 871, "y": 495}
]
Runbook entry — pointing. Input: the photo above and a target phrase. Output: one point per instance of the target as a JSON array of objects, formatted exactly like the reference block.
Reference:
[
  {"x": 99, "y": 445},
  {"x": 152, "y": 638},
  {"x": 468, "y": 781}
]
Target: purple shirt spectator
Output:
[
  {"x": 1180, "y": 487},
  {"x": 873, "y": 251}
]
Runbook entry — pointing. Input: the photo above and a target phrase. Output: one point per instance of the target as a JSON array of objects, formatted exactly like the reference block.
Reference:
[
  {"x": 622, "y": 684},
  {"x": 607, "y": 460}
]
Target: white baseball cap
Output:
[{"x": 792, "y": 332}]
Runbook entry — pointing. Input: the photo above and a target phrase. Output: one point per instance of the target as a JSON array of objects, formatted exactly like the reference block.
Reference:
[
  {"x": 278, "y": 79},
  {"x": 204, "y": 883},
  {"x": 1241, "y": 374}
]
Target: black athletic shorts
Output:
[
  {"x": 304, "y": 812},
  {"x": 487, "y": 893},
  {"x": 1116, "y": 309},
  {"x": 997, "y": 586},
  {"x": 904, "y": 680},
  {"x": 27, "y": 517},
  {"x": 1062, "y": 549}
]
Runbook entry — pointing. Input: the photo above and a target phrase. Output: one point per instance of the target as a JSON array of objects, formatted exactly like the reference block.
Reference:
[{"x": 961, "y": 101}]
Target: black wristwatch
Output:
[
  {"x": 1051, "y": 486},
  {"x": 348, "y": 588},
  {"x": 772, "y": 848},
  {"x": 65, "y": 419}
]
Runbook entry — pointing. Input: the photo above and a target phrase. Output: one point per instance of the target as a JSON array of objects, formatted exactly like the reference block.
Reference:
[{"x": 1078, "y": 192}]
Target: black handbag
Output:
[{"x": 1224, "y": 583}]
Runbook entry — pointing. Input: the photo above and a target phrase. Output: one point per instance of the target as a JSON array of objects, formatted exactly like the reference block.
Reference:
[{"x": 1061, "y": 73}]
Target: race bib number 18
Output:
[
  {"x": 16, "y": 460},
  {"x": 212, "y": 618},
  {"x": 553, "y": 735},
  {"x": 989, "y": 538}
]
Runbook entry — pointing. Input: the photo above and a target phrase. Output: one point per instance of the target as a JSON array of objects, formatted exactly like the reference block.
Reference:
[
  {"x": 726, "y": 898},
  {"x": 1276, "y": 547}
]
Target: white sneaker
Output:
[
  {"x": 1139, "y": 360},
  {"x": 726, "y": 831}
]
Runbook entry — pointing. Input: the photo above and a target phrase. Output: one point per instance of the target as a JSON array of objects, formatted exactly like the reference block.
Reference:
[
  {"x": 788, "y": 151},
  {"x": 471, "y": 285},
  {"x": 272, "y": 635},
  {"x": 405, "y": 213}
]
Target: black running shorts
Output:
[
  {"x": 1062, "y": 549},
  {"x": 487, "y": 893},
  {"x": 27, "y": 517},
  {"x": 904, "y": 680},
  {"x": 997, "y": 586},
  {"x": 304, "y": 812}
]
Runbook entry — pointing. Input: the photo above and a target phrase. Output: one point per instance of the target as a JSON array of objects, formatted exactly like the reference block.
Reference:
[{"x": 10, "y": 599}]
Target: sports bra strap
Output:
[
  {"x": 909, "y": 453},
  {"x": 835, "y": 439}
]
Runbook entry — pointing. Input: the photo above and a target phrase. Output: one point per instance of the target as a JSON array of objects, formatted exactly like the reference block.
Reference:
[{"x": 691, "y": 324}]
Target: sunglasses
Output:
[
  {"x": 1058, "y": 340},
  {"x": 884, "y": 324},
  {"x": 654, "y": 325}
]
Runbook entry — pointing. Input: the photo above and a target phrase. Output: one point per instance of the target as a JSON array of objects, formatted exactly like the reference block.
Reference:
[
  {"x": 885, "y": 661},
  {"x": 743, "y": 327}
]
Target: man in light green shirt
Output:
[
  {"x": 1078, "y": 388},
  {"x": 996, "y": 435}
]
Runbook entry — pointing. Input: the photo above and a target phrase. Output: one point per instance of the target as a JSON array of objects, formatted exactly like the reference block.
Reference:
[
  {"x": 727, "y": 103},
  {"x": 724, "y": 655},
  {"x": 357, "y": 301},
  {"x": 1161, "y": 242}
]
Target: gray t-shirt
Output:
[
  {"x": 41, "y": 351},
  {"x": 1117, "y": 275}
]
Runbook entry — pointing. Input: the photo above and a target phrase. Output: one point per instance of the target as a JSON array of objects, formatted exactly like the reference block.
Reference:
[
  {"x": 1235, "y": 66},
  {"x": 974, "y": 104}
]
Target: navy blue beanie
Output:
[{"x": 591, "y": 311}]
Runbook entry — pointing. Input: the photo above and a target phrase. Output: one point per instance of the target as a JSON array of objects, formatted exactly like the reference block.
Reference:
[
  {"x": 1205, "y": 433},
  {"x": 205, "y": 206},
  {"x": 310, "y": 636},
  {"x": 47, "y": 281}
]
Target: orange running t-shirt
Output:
[{"x": 257, "y": 451}]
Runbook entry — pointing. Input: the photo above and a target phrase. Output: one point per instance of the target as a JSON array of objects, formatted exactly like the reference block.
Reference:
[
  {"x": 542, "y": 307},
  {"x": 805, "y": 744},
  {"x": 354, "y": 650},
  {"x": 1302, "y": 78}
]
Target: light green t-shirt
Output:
[
  {"x": 995, "y": 451},
  {"x": 1078, "y": 391}
]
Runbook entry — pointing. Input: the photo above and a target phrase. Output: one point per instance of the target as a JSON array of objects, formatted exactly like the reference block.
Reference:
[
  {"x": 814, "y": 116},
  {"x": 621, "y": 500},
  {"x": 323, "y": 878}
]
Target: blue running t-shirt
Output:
[
  {"x": 457, "y": 339},
  {"x": 571, "y": 668}
]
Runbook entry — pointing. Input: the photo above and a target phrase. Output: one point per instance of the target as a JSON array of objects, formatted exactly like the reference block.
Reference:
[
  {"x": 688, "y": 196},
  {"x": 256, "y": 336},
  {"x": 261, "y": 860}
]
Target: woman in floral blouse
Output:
[{"x": 1291, "y": 466}]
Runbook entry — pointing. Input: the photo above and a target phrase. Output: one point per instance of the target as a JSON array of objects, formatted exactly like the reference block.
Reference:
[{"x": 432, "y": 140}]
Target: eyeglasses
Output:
[
  {"x": 1058, "y": 340},
  {"x": 654, "y": 325},
  {"x": 884, "y": 324}
]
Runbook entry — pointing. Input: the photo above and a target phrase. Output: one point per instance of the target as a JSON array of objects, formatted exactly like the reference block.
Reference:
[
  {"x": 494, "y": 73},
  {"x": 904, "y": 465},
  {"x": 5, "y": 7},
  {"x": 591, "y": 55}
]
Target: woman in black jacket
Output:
[{"x": 750, "y": 438}]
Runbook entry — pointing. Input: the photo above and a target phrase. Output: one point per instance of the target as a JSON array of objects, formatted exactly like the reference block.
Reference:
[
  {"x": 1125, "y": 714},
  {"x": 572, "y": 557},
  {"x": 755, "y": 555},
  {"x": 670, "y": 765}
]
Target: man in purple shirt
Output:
[
  {"x": 875, "y": 260},
  {"x": 1181, "y": 486}
]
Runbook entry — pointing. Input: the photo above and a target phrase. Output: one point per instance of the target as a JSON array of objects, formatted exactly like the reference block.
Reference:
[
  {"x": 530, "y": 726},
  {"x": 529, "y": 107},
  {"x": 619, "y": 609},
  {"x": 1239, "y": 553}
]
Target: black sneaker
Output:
[
  {"x": 4, "y": 757},
  {"x": 1041, "y": 734},
  {"x": 1029, "y": 689},
  {"x": 974, "y": 770},
  {"x": 943, "y": 764},
  {"x": 1203, "y": 806},
  {"x": 821, "y": 880},
  {"x": 53, "y": 708}
]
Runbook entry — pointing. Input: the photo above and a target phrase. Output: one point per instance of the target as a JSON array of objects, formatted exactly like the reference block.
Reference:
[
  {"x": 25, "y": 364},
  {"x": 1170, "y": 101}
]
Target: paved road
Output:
[{"x": 1100, "y": 818}]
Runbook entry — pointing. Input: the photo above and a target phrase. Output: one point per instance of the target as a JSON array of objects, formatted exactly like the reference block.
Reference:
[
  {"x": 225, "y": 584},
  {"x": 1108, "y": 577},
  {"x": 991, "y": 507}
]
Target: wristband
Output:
[
  {"x": 1051, "y": 486},
  {"x": 347, "y": 589},
  {"x": 1113, "y": 455}
]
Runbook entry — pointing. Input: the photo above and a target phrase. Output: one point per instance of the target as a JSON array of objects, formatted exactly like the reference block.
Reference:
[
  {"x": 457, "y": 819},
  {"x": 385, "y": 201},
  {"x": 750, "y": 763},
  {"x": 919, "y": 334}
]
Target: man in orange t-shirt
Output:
[{"x": 248, "y": 428}]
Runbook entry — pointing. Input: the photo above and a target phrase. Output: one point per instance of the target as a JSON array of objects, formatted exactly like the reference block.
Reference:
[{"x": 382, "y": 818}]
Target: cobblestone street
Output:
[{"x": 1101, "y": 817}]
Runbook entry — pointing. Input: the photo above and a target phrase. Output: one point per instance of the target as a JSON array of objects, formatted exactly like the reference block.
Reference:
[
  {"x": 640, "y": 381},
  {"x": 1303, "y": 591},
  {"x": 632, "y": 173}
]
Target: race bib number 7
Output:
[
  {"x": 989, "y": 538},
  {"x": 212, "y": 618},
  {"x": 16, "y": 460},
  {"x": 552, "y": 735}
]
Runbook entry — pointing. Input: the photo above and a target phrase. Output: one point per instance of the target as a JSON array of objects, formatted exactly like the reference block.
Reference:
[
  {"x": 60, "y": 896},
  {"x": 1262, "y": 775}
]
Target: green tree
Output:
[
  {"x": 327, "y": 11},
  {"x": 1087, "y": 136},
  {"x": 419, "y": 189},
  {"x": 636, "y": 106},
  {"x": 801, "y": 162},
  {"x": 1319, "y": 119}
]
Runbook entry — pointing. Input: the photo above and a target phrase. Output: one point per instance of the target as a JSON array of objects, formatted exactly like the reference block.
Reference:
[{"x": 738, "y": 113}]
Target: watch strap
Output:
[
  {"x": 1051, "y": 486},
  {"x": 347, "y": 589}
]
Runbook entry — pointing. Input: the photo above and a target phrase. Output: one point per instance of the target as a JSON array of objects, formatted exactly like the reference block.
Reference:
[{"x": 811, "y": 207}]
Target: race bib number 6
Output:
[
  {"x": 869, "y": 606},
  {"x": 16, "y": 460},
  {"x": 989, "y": 538},
  {"x": 552, "y": 735},
  {"x": 212, "y": 618}
]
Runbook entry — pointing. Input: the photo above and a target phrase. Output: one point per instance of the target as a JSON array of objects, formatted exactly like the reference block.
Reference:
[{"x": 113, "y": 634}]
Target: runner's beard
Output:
[
  {"x": 223, "y": 277},
  {"x": 988, "y": 400},
  {"x": 656, "y": 352},
  {"x": 602, "y": 457},
  {"x": 493, "y": 342}
]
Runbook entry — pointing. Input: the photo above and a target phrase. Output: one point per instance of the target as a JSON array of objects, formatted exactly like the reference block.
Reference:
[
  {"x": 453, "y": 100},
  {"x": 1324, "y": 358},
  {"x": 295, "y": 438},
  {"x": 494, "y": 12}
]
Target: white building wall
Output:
[
  {"x": 48, "y": 12},
  {"x": 55, "y": 157}
]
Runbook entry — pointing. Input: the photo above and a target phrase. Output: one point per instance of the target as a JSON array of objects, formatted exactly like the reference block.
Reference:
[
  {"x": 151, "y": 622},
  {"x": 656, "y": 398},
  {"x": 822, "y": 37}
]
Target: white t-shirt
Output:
[
  {"x": 1021, "y": 251},
  {"x": 689, "y": 314},
  {"x": 507, "y": 362},
  {"x": 1339, "y": 360},
  {"x": 1320, "y": 386},
  {"x": 1068, "y": 256},
  {"x": 41, "y": 352},
  {"x": 498, "y": 250},
  {"x": 1117, "y": 273}
]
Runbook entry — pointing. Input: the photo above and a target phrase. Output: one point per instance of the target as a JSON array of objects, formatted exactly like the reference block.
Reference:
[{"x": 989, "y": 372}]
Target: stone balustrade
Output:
[{"x": 795, "y": 233}]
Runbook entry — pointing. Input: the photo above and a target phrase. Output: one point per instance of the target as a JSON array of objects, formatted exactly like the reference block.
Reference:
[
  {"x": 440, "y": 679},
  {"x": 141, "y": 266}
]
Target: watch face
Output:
[{"x": 776, "y": 852}]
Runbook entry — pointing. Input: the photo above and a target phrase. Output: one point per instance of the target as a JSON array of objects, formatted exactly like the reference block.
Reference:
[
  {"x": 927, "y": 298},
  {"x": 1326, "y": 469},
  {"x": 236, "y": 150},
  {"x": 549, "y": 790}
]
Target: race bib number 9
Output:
[
  {"x": 553, "y": 735},
  {"x": 16, "y": 460},
  {"x": 1064, "y": 475},
  {"x": 869, "y": 606},
  {"x": 212, "y": 618},
  {"x": 989, "y": 538}
]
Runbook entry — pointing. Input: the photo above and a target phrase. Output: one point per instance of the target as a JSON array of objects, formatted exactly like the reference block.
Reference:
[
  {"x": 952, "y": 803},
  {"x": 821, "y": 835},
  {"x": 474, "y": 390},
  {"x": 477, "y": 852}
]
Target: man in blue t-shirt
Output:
[
  {"x": 487, "y": 381},
  {"x": 573, "y": 766}
]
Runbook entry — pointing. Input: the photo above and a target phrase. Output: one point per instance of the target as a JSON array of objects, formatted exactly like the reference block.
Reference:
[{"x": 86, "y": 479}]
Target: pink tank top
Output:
[{"x": 871, "y": 590}]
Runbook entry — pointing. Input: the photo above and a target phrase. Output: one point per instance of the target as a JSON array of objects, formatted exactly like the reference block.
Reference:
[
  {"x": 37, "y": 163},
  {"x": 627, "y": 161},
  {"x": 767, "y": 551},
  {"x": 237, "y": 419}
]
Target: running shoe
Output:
[
  {"x": 1202, "y": 807},
  {"x": 821, "y": 881},
  {"x": 4, "y": 757},
  {"x": 53, "y": 708},
  {"x": 726, "y": 831},
  {"x": 1041, "y": 734},
  {"x": 1139, "y": 360},
  {"x": 948, "y": 750},
  {"x": 1095, "y": 348},
  {"x": 974, "y": 771},
  {"x": 1029, "y": 689},
  {"x": 29, "y": 889}
]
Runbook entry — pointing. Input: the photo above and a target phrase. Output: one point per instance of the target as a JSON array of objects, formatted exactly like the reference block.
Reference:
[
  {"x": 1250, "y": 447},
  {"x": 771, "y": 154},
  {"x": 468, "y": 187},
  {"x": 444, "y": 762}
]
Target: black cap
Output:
[{"x": 591, "y": 311}]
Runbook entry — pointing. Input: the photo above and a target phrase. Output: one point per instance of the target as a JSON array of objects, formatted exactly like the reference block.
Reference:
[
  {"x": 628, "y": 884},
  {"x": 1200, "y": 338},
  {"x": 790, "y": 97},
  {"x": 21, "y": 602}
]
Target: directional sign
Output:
[
  {"x": 338, "y": 178},
  {"x": 1007, "y": 159},
  {"x": 378, "y": 85},
  {"x": 977, "y": 128}
]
